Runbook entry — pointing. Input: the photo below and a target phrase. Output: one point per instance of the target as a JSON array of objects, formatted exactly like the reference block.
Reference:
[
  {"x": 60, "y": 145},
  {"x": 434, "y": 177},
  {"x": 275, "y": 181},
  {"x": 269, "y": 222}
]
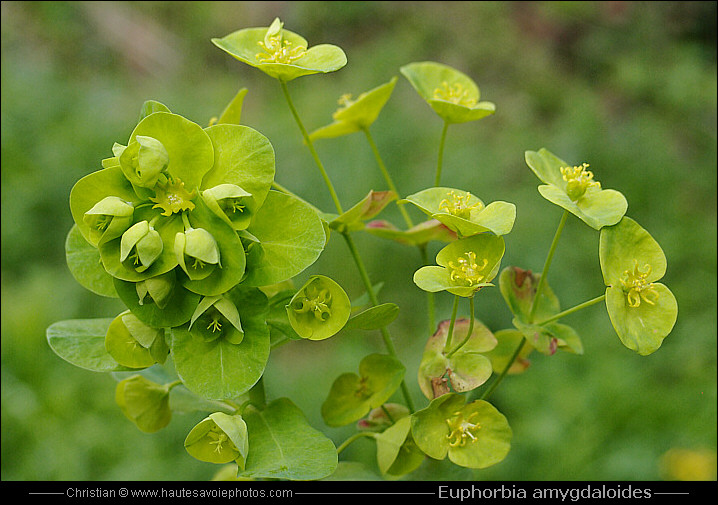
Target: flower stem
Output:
[
  {"x": 354, "y": 437},
  {"x": 454, "y": 309},
  {"x": 387, "y": 177},
  {"x": 471, "y": 329},
  {"x": 578, "y": 307},
  {"x": 440, "y": 161},
  {"x": 547, "y": 264},
  {"x": 494, "y": 385},
  {"x": 312, "y": 150}
]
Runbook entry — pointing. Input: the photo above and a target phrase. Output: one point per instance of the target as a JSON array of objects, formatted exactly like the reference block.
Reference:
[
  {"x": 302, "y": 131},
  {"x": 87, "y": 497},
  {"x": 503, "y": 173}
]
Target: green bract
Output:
[
  {"x": 465, "y": 368},
  {"x": 352, "y": 396},
  {"x": 280, "y": 53},
  {"x": 217, "y": 317},
  {"x": 358, "y": 114},
  {"x": 466, "y": 265},
  {"x": 134, "y": 344},
  {"x": 642, "y": 311},
  {"x": 108, "y": 219},
  {"x": 396, "y": 451},
  {"x": 475, "y": 435},
  {"x": 144, "y": 403},
  {"x": 419, "y": 234},
  {"x": 319, "y": 309},
  {"x": 464, "y": 213},
  {"x": 573, "y": 188},
  {"x": 219, "y": 438},
  {"x": 369, "y": 206},
  {"x": 452, "y": 94}
]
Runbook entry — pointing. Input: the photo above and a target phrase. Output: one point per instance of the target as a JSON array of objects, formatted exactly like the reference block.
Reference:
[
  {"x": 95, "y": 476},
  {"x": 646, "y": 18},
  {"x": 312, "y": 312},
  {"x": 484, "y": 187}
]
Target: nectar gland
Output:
[
  {"x": 637, "y": 287},
  {"x": 316, "y": 301},
  {"x": 172, "y": 197}
]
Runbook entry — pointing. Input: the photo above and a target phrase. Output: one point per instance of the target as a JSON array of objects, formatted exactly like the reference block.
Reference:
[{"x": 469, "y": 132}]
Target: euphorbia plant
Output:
[{"x": 187, "y": 227}]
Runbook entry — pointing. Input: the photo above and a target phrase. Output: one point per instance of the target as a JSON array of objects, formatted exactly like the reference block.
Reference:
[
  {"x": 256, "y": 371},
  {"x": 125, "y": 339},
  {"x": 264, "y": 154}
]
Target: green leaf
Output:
[
  {"x": 319, "y": 309},
  {"x": 642, "y": 311},
  {"x": 466, "y": 369},
  {"x": 232, "y": 113},
  {"x": 291, "y": 238},
  {"x": 244, "y": 45},
  {"x": 219, "y": 369},
  {"x": 396, "y": 452},
  {"x": 245, "y": 158},
  {"x": 595, "y": 206},
  {"x": 150, "y": 107},
  {"x": 374, "y": 318},
  {"x": 179, "y": 307},
  {"x": 463, "y": 212},
  {"x": 189, "y": 148},
  {"x": 356, "y": 115},
  {"x": 518, "y": 288},
  {"x": 83, "y": 260},
  {"x": 419, "y": 234},
  {"x": 453, "y": 95},
  {"x": 370, "y": 206},
  {"x": 284, "y": 446},
  {"x": 507, "y": 342},
  {"x": 352, "y": 395},
  {"x": 81, "y": 342}
]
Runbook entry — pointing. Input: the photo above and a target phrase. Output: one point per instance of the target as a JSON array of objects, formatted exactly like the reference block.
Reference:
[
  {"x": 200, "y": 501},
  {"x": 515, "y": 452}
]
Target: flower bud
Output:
[
  {"x": 142, "y": 245},
  {"x": 143, "y": 160},
  {"x": 144, "y": 402},
  {"x": 108, "y": 219},
  {"x": 156, "y": 289},
  {"x": 229, "y": 202},
  {"x": 197, "y": 253},
  {"x": 219, "y": 438},
  {"x": 217, "y": 316}
]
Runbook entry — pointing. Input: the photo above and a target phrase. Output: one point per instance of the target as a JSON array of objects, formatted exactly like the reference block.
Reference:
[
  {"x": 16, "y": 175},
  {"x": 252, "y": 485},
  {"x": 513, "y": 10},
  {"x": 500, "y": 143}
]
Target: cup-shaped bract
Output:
[
  {"x": 396, "y": 452},
  {"x": 217, "y": 317},
  {"x": 108, "y": 219},
  {"x": 574, "y": 189},
  {"x": 319, "y": 309},
  {"x": 144, "y": 402},
  {"x": 133, "y": 343},
  {"x": 642, "y": 311},
  {"x": 219, "y": 438},
  {"x": 382, "y": 417},
  {"x": 453, "y": 95},
  {"x": 357, "y": 114},
  {"x": 140, "y": 246},
  {"x": 280, "y": 53},
  {"x": 464, "y": 213},
  {"x": 197, "y": 253},
  {"x": 229, "y": 202},
  {"x": 475, "y": 435},
  {"x": 465, "y": 266},
  {"x": 143, "y": 160}
]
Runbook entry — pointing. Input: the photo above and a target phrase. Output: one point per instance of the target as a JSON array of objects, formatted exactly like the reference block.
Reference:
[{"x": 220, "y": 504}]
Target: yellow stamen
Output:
[
  {"x": 462, "y": 431},
  {"x": 458, "y": 205},
  {"x": 279, "y": 50},
  {"x": 637, "y": 286},
  {"x": 455, "y": 93},
  {"x": 467, "y": 270},
  {"x": 578, "y": 180}
]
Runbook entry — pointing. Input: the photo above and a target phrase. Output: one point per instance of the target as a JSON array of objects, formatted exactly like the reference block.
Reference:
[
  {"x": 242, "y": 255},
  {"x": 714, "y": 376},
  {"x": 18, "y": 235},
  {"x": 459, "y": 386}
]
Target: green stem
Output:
[
  {"x": 374, "y": 301},
  {"x": 440, "y": 161},
  {"x": 494, "y": 385},
  {"x": 547, "y": 264},
  {"x": 387, "y": 177},
  {"x": 451, "y": 323},
  {"x": 312, "y": 150},
  {"x": 471, "y": 329},
  {"x": 354, "y": 437},
  {"x": 573, "y": 309}
]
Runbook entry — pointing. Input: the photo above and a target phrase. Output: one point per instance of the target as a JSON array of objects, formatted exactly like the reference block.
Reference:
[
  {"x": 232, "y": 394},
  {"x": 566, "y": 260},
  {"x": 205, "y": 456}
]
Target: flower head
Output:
[{"x": 172, "y": 197}]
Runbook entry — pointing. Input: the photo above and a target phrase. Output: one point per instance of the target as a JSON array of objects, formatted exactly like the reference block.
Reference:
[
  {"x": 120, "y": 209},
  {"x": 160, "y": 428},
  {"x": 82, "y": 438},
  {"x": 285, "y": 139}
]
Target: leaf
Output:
[
  {"x": 291, "y": 238},
  {"x": 83, "y": 260},
  {"x": 467, "y": 368},
  {"x": 419, "y": 234},
  {"x": 370, "y": 206},
  {"x": 219, "y": 369},
  {"x": 282, "y": 445},
  {"x": 518, "y": 288},
  {"x": 232, "y": 113},
  {"x": 352, "y": 396},
  {"x": 81, "y": 342},
  {"x": 396, "y": 452},
  {"x": 178, "y": 310},
  {"x": 374, "y": 318}
]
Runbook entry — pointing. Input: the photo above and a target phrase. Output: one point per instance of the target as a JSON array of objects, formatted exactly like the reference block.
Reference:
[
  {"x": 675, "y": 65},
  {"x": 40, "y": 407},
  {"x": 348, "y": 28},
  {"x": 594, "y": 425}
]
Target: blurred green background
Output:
[{"x": 629, "y": 87}]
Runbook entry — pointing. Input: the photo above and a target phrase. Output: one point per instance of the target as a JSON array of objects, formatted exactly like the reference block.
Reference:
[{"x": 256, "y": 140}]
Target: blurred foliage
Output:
[{"x": 629, "y": 87}]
